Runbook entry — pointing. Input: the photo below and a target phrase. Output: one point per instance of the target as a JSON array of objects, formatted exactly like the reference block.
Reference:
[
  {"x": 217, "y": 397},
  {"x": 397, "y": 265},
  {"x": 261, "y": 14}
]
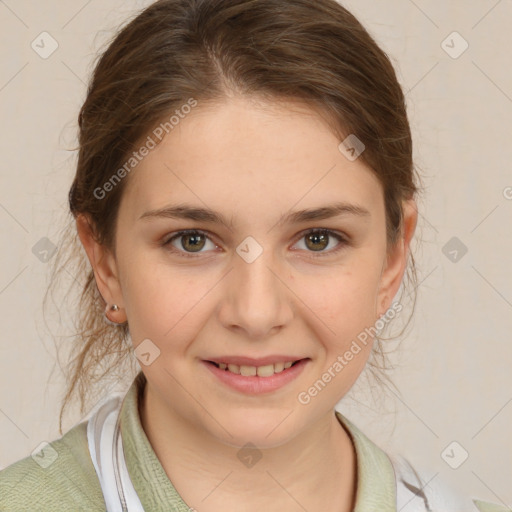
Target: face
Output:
[{"x": 265, "y": 282}]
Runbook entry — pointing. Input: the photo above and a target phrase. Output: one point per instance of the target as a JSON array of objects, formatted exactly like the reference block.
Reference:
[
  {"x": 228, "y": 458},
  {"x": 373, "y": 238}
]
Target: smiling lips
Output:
[{"x": 256, "y": 379}]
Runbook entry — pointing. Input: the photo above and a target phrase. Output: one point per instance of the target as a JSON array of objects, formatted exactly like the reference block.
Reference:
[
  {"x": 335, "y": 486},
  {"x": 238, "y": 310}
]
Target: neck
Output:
[{"x": 315, "y": 470}]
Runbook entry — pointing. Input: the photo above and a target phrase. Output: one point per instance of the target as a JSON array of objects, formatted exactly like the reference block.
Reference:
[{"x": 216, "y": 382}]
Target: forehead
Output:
[{"x": 251, "y": 154}]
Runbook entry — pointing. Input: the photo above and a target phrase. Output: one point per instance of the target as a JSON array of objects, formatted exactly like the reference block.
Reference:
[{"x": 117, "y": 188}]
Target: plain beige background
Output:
[{"x": 453, "y": 366}]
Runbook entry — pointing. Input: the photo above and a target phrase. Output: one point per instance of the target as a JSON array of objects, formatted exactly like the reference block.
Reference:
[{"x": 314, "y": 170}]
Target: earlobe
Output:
[
  {"x": 396, "y": 260},
  {"x": 103, "y": 265}
]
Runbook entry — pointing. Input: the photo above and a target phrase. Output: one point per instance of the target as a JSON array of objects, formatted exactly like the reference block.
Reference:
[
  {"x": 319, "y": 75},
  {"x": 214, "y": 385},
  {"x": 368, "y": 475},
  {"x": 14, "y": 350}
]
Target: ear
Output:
[
  {"x": 104, "y": 267},
  {"x": 396, "y": 261}
]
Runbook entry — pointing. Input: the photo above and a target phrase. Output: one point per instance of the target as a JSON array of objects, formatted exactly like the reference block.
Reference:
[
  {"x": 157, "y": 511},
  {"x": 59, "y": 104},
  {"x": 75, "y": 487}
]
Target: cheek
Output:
[
  {"x": 153, "y": 297},
  {"x": 344, "y": 300},
  {"x": 163, "y": 305}
]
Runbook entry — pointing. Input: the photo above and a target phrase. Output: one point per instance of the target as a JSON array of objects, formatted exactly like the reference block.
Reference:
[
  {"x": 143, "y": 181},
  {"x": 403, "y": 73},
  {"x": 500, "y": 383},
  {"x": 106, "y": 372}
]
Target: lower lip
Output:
[{"x": 256, "y": 385}]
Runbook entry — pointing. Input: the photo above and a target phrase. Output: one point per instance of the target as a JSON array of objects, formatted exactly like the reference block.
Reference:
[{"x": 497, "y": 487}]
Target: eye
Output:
[
  {"x": 193, "y": 241},
  {"x": 316, "y": 240}
]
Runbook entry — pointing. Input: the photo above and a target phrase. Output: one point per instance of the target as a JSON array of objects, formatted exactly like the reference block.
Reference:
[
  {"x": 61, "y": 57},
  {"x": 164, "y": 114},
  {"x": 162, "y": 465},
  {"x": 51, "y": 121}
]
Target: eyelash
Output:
[{"x": 343, "y": 241}]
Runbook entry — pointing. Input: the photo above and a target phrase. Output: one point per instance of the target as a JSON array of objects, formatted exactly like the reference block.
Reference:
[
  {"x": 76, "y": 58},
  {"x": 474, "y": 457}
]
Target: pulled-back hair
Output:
[{"x": 175, "y": 50}]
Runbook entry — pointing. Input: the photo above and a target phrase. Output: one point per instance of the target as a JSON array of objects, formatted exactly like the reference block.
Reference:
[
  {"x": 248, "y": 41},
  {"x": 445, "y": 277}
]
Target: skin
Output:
[{"x": 253, "y": 162}]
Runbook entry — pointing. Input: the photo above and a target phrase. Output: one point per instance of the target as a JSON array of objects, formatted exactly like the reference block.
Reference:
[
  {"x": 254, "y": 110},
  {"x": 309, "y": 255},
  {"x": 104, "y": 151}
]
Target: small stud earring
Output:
[{"x": 114, "y": 307}]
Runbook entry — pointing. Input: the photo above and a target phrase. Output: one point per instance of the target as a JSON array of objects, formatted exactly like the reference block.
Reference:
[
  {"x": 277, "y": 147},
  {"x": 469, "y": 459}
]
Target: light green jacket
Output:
[{"x": 66, "y": 481}]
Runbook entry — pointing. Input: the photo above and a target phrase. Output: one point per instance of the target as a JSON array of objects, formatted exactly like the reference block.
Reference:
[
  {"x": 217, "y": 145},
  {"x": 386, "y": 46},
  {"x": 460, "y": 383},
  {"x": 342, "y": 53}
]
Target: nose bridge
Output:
[{"x": 258, "y": 301}]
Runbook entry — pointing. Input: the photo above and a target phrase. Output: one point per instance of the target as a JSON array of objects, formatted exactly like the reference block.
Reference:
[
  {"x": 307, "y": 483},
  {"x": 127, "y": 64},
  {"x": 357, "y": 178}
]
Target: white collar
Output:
[
  {"x": 414, "y": 492},
  {"x": 106, "y": 448}
]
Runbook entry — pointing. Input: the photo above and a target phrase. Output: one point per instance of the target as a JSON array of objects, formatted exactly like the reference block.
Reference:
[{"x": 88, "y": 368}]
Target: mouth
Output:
[
  {"x": 251, "y": 371},
  {"x": 254, "y": 380}
]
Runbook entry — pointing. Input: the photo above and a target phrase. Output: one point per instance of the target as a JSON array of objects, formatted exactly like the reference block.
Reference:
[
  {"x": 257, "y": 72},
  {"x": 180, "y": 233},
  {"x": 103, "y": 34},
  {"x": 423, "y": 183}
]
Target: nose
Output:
[{"x": 256, "y": 298}]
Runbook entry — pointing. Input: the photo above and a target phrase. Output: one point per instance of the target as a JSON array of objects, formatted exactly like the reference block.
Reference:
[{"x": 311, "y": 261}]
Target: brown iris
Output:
[
  {"x": 318, "y": 237},
  {"x": 196, "y": 244}
]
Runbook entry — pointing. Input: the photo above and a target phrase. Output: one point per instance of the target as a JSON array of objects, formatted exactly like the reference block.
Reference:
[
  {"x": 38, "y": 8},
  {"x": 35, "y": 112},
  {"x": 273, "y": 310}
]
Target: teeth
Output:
[
  {"x": 261, "y": 371},
  {"x": 233, "y": 368},
  {"x": 278, "y": 367},
  {"x": 248, "y": 371}
]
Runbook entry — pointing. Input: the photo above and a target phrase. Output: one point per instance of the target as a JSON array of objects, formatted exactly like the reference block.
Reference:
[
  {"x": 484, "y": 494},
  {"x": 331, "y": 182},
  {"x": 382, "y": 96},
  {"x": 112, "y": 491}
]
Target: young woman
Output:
[{"x": 245, "y": 195}]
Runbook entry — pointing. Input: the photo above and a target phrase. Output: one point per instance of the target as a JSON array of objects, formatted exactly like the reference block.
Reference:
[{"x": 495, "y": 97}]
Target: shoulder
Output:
[
  {"x": 60, "y": 476},
  {"x": 484, "y": 506},
  {"x": 419, "y": 490}
]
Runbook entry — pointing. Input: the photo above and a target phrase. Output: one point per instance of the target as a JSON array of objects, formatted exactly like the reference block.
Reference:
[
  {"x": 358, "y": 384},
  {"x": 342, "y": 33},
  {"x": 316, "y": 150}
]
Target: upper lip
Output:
[{"x": 249, "y": 361}]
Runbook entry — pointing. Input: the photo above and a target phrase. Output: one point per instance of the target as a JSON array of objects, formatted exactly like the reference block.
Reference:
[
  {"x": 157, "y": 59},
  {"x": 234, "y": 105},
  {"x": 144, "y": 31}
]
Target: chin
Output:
[{"x": 264, "y": 429}]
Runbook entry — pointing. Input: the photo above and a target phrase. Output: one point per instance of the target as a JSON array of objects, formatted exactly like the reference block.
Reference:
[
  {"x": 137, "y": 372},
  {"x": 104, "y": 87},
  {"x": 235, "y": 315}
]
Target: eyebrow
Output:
[{"x": 185, "y": 211}]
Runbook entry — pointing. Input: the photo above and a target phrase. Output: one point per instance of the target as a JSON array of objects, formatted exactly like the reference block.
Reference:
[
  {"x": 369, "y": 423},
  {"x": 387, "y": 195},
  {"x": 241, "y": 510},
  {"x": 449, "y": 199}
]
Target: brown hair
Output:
[{"x": 174, "y": 50}]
